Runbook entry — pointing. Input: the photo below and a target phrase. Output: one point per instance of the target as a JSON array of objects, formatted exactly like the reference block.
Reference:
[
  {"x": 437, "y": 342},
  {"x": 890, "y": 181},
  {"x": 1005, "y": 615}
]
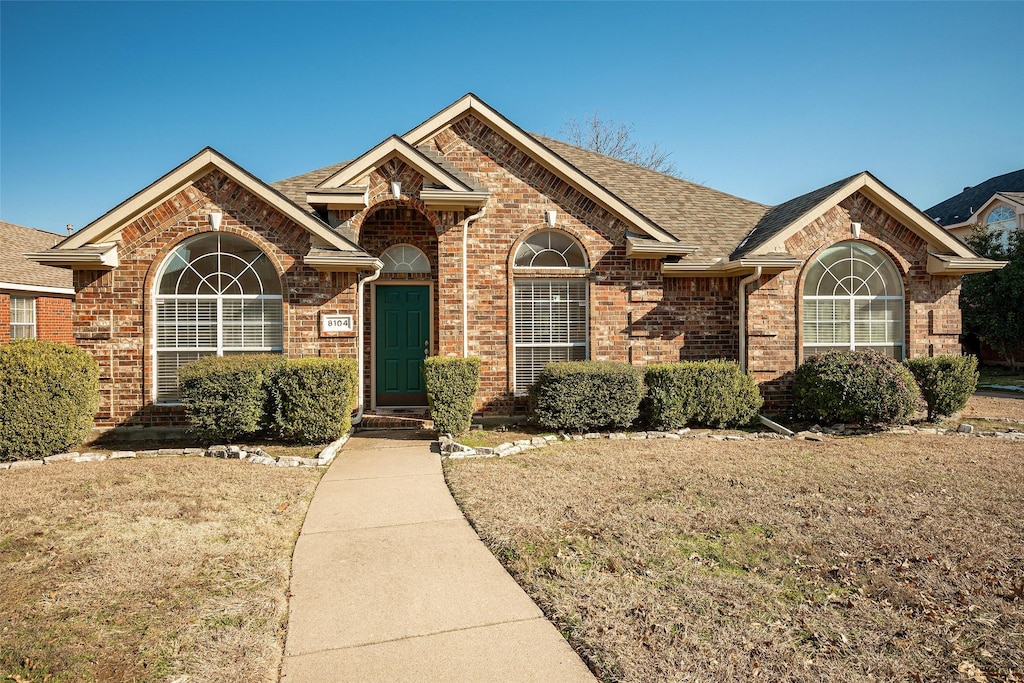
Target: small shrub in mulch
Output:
[
  {"x": 452, "y": 384},
  {"x": 854, "y": 386},
  {"x": 587, "y": 395},
  {"x": 946, "y": 382},
  {"x": 713, "y": 393}
]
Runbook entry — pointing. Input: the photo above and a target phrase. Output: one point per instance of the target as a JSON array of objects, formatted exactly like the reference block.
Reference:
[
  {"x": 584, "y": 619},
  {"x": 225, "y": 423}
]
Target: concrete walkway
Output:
[{"x": 390, "y": 583}]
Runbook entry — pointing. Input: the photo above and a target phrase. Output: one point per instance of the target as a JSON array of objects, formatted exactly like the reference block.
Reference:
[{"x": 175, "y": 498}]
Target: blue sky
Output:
[{"x": 763, "y": 100}]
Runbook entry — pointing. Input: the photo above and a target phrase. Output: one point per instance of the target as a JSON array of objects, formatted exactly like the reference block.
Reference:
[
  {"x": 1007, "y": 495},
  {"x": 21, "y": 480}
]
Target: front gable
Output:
[{"x": 97, "y": 245}]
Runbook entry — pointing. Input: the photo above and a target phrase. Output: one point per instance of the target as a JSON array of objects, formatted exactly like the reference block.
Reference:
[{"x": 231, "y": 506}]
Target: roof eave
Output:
[
  {"x": 948, "y": 264},
  {"x": 340, "y": 262},
  {"x": 78, "y": 259},
  {"x": 726, "y": 268},
  {"x": 650, "y": 249}
]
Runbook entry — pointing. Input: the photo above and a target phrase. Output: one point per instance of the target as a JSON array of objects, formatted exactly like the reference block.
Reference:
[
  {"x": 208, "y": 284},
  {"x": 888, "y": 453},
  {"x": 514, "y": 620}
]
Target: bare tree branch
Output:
[{"x": 615, "y": 140}]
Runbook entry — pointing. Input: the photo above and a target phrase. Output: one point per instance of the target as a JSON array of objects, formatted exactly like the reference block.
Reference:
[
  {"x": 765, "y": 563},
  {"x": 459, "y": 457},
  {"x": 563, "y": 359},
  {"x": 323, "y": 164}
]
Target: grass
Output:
[
  {"x": 991, "y": 375},
  {"x": 853, "y": 559},
  {"x": 147, "y": 570}
]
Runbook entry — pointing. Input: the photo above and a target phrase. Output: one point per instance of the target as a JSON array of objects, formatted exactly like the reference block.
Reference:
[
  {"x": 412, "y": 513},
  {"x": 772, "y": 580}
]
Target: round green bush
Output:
[
  {"x": 452, "y": 384},
  {"x": 315, "y": 398},
  {"x": 48, "y": 397},
  {"x": 946, "y": 382},
  {"x": 854, "y": 386}
]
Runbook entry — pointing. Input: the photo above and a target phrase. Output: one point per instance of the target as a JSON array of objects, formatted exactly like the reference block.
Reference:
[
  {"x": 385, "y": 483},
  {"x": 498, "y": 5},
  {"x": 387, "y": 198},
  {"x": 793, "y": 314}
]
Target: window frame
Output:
[
  {"x": 1003, "y": 226},
  {"x": 406, "y": 246},
  {"x": 532, "y": 274},
  {"x": 851, "y": 299},
  {"x": 220, "y": 346},
  {"x": 31, "y": 325}
]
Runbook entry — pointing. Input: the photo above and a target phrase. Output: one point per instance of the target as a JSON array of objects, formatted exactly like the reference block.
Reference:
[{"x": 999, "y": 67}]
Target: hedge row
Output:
[
  {"x": 303, "y": 400},
  {"x": 589, "y": 395},
  {"x": 48, "y": 396}
]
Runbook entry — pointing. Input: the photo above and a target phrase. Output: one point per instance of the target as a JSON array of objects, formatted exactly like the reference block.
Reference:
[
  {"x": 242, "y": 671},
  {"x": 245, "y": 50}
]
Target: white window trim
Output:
[
  {"x": 24, "y": 325},
  {"x": 220, "y": 349},
  {"x": 512, "y": 312},
  {"x": 852, "y": 298}
]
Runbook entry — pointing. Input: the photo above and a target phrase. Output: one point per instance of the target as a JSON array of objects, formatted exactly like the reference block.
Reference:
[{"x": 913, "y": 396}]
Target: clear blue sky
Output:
[{"x": 763, "y": 100}]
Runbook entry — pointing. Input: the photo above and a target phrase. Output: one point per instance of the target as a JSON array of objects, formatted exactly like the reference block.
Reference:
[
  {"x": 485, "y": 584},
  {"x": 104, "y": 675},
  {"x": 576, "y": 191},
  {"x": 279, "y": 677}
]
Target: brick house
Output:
[
  {"x": 467, "y": 235},
  {"x": 996, "y": 206},
  {"x": 35, "y": 300}
]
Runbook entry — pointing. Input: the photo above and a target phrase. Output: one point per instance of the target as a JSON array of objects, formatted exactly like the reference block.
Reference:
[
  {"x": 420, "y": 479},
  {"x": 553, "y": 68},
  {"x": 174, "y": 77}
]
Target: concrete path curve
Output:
[{"x": 390, "y": 583}]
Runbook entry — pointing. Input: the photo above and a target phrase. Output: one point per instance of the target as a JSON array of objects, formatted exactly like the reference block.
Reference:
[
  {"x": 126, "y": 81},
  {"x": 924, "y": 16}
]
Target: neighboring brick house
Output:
[
  {"x": 996, "y": 206},
  {"x": 35, "y": 300},
  {"x": 468, "y": 235}
]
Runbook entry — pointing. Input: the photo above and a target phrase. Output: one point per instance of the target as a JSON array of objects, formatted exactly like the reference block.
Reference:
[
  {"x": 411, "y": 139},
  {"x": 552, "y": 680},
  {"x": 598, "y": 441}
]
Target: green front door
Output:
[{"x": 403, "y": 340}]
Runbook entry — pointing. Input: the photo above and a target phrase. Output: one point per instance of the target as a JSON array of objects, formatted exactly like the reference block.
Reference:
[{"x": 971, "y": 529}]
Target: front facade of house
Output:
[
  {"x": 35, "y": 300},
  {"x": 468, "y": 235}
]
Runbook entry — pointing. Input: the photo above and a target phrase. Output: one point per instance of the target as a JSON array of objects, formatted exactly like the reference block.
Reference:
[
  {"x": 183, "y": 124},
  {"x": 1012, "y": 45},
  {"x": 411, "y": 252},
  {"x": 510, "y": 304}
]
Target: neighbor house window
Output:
[
  {"x": 217, "y": 295},
  {"x": 23, "y": 317},
  {"x": 1001, "y": 222},
  {"x": 550, "y": 314},
  {"x": 853, "y": 299}
]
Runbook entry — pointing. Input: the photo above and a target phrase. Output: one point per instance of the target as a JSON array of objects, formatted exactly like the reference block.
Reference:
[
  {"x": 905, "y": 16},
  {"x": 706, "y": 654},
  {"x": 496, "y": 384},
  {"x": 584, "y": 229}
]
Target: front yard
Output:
[
  {"x": 853, "y": 559},
  {"x": 147, "y": 570}
]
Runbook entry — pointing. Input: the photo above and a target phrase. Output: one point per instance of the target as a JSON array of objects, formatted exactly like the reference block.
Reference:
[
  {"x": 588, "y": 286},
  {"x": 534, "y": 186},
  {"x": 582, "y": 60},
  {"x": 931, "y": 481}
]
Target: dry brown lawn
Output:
[
  {"x": 875, "y": 558},
  {"x": 147, "y": 570}
]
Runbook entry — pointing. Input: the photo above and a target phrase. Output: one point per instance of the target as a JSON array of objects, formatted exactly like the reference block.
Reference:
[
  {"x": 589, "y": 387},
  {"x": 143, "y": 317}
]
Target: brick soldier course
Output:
[{"x": 665, "y": 257}]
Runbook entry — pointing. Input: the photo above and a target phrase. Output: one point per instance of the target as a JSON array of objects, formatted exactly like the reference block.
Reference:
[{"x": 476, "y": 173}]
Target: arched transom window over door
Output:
[
  {"x": 853, "y": 299},
  {"x": 404, "y": 258},
  {"x": 217, "y": 295},
  {"x": 551, "y": 309}
]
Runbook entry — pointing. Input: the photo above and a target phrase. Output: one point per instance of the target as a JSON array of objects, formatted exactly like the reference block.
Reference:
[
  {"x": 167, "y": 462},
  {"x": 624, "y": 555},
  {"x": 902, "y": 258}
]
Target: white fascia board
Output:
[
  {"x": 453, "y": 199},
  {"x": 553, "y": 162},
  {"x": 188, "y": 172},
  {"x": 393, "y": 146},
  {"x": 648, "y": 249},
  {"x": 36, "y": 289},
  {"x": 945, "y": 264},
  {"x": 723, "y": 268},
  {"x": 62, "y": 257},
  {"x": 333, "y": 200},
  {"x": 332, "y": 263}
]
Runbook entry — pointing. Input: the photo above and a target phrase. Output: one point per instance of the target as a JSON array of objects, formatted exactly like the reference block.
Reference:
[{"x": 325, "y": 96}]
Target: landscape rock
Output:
[
  {"x": 61, "y": 457},
  {"x": 965, "y": 429},
  {"x": 25, "y": 464},
  {"x": 119, "y": 455}
]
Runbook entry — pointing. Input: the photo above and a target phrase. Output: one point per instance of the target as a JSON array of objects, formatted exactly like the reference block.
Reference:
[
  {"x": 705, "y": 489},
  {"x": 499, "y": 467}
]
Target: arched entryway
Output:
[{"x": 403, "y": 304}]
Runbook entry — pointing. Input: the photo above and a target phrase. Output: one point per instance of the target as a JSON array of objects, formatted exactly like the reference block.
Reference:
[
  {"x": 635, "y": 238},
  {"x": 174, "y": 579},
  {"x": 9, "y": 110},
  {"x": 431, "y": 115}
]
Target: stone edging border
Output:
[
  {"x": 453, "y": 450},
  {"x": 256, "y": 456}
]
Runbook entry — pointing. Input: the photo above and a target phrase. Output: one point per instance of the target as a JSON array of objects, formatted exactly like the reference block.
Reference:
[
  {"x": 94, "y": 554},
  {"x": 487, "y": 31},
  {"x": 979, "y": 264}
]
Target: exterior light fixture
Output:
[
  {"x": 855, "y": 230},
  {"x": 396, "y": 189},
  {"x": 215, "y": 218},
  {"x": 550, "y": 217}
]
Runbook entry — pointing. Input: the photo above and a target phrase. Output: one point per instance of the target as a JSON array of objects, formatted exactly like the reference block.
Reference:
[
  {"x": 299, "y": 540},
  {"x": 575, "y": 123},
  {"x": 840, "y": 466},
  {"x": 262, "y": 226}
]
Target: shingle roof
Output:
[
  {"x": 16, "y": 240},
  {"x": 296, "y": 187},
  {"x": 778, "y": 217},
  {"x": 694, "y": 214},
  {"x": 1015, "y": 196},
  {"x": 959, "y": 208}
]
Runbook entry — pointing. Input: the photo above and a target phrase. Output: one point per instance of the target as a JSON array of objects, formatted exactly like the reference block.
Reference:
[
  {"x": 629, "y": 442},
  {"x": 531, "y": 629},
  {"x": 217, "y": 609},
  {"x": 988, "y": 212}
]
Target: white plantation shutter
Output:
[
  {"x": 218, "y": 295},
  {"x": 550, "y": 325},
  {"x": 853, "y": 299}
]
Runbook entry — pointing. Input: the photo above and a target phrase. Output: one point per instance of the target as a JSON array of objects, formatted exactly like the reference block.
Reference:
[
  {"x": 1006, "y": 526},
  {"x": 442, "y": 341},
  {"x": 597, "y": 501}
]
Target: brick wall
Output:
[
  {"x": 775, "y": 342},
  {"x": 53, "y": 318}
]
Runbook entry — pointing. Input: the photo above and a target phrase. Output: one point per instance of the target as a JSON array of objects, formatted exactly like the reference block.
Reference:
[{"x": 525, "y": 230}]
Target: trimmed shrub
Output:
[
  {"x": 712, "y": 393},
  {"x": 228, "y": 397},
  {"x": 587, "y": 395},
  {"x": 452, "y": 384},
  {"x": 49, "y": 393},
  {"x": 854, "y": 386},
  {"x": 314, "y": 398},
  {"x": 946, "y": 382}
]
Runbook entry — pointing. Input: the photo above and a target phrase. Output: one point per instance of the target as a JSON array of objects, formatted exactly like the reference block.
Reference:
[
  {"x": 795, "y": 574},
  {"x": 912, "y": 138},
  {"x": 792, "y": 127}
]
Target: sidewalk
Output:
[{"x": 390, "y": 583}]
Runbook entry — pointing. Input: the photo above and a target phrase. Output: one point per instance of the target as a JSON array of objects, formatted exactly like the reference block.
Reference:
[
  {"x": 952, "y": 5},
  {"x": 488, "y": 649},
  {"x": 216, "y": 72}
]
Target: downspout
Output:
[
  {"x": 360, "y": 351},
  {"x": 743, "y": 344},
  {"x": 465, "y": 280},
  {"x": 743, "y": 315}
]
